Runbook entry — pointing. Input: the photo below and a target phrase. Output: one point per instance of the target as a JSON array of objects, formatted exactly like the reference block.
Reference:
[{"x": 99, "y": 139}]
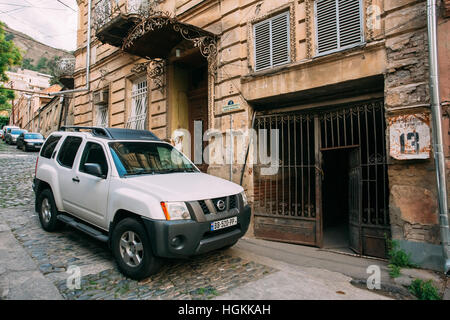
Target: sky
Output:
[{"x": 51, "y": 22}]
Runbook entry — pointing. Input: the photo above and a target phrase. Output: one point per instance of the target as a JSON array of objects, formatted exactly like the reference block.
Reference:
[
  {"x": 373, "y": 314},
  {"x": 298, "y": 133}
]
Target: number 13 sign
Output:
[{"x": 410, "y": 136}]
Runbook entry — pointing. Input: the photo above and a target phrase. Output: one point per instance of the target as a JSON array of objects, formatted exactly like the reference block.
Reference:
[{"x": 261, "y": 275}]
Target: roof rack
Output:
[
  {"x": 116, "y": 133},
  {"x": 97, "y": 131}
]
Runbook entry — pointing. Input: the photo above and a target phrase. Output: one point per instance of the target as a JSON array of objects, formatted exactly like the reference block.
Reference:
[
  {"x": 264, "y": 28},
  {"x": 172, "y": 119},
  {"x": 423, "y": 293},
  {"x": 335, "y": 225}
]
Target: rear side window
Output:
[
  {"x": 69, "y": 151},
  {"x": 49, "y": 146}
]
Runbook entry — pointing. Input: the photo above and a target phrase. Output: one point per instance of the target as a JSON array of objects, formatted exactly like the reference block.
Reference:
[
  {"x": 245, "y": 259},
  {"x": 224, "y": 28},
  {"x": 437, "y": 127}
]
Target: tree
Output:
[{"x": 9, "y": 56}]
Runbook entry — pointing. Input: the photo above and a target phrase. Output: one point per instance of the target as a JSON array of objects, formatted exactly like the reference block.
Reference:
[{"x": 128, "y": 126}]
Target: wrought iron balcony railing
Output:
[
  {"x": 106, "y": 11},
  {"x": 65, "y": 68}
]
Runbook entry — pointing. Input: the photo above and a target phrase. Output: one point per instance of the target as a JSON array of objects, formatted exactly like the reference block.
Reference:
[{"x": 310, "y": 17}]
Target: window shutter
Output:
[
  {"x": 326, "y": 25},
  {"x": 349, "y": 22},
  {"x": 280, "y": 39},
  {"x": 262, "y": 45},
  {"x": 338, "y": 24},
  {"x": 272, "y": 42}
]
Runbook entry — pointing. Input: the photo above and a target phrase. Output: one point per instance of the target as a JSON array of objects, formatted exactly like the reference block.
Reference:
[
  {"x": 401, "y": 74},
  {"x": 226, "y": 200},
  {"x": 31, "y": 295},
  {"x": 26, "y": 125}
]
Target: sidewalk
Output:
[
  {"x": 304, "y": 273},
  {"x": 20, "y": 278}
]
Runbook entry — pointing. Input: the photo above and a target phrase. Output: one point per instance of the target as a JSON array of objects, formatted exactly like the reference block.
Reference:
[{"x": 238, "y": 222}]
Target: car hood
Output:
[
  {"x": 34, "y": 140},
  {"x": 184, "y": 186}
]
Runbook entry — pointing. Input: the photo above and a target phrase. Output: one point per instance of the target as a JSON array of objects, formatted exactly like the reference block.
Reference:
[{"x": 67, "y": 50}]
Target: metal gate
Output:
[{"x": 288, "y": 205}]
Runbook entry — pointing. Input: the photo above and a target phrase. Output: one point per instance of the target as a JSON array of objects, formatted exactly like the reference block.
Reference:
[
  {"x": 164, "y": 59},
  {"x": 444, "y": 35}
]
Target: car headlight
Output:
[
  {"x": 175, "y": 210},
  {"x": 244, "y": 198}
]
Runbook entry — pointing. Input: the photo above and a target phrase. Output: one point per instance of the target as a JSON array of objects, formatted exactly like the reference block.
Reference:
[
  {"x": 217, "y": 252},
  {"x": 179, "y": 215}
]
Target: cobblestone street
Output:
[{"x": 203, "y": 277}]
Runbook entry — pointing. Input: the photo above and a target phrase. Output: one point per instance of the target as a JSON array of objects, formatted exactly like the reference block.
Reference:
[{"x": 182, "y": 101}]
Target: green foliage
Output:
[
  {"x": 3, "y": 121},
  {"x": 424, "y": 290},
  {"x": 44, "y": 65},
  {"x": 398, "y": 257},
  {"x": 9, "y": 56},
  {"x": 394, "y": 270},
  {"x": 9, "y": 37}
]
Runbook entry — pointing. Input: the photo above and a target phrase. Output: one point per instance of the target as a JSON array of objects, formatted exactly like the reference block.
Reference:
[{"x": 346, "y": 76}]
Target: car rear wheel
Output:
[
  {"x": 47, "y": 211},
  {"x": 132, "y": 250}
]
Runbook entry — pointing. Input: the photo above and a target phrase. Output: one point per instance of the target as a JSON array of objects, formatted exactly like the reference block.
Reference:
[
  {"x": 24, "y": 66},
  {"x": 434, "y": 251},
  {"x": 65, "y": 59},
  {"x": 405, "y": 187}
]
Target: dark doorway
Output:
[
  {"x": 198, "y": 104},
  {"x": 189, "y": 94},
  {"x": 335, "y": 197}
]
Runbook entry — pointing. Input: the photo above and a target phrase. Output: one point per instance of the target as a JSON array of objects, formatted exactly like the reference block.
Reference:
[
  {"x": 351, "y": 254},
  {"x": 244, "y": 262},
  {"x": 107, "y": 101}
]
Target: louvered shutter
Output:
[
  {"x": 349, "y": 22},
  {"x": 327, "y": 36},
  {"x": 338, "y": 24},
  {"x": 262, "y": 45},
  {"x": 280, "y": 39},
  {"x": 272, "y": 42}
]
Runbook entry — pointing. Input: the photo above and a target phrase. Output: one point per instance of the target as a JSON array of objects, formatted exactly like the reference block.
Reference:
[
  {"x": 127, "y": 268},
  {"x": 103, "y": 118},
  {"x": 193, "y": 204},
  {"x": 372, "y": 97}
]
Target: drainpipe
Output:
[
  {"x": 250, "y": 140},
  {"x": 88, "y": 58},
  {"x": 436, "y": 115}
]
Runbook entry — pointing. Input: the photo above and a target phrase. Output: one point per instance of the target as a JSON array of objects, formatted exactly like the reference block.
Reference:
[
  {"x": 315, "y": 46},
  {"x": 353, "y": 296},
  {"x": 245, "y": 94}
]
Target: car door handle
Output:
[{"x": 76, "y": 179}]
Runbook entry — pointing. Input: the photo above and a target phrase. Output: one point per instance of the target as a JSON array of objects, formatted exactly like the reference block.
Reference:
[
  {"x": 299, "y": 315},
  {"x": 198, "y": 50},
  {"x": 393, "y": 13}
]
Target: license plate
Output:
[{"x": 221, "y": 224}]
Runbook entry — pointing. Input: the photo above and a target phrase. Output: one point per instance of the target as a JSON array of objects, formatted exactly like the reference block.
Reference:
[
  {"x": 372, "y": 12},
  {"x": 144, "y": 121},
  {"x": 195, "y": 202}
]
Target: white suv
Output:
[{"x": 139, "y": 194}]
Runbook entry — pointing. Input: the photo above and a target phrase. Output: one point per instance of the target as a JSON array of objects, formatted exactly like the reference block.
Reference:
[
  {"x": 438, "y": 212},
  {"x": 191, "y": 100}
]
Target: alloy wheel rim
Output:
[
  {"x": 131, "y": 249},
  {"x": 46, "y": 210}
]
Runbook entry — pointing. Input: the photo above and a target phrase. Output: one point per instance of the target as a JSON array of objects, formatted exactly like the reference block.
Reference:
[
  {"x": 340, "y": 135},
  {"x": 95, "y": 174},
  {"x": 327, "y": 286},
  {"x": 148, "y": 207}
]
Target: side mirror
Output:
[{"x": 95, "y": 169}]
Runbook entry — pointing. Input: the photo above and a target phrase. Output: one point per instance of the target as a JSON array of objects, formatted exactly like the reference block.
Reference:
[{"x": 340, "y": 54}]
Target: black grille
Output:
[
  {"x": 204, "y": 207},
  {"x": 233, "y": 203}
]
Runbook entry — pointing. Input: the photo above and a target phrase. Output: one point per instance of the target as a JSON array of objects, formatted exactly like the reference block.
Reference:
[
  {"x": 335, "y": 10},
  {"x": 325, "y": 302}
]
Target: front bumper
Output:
[
  {"x": 193, "y": 237},
  {"x": 33, "y": 146}
]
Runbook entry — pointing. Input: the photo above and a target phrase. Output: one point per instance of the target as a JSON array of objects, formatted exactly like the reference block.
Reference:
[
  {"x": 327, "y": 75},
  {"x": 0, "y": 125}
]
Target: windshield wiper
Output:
[
  {"x": 138, "y": 173},
  {"x": 176, "y": 170}
]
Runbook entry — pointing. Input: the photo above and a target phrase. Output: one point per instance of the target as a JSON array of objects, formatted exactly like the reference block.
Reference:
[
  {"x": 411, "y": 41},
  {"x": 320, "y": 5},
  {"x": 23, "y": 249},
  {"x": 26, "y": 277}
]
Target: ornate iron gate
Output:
[{"x": 288, "y": 205}]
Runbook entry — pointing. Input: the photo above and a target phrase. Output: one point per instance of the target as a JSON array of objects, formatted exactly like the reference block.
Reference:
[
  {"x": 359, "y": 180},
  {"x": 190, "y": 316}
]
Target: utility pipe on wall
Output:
[
  {"x": 88, "y": 57},
  {"x": 436, "y": 116}
]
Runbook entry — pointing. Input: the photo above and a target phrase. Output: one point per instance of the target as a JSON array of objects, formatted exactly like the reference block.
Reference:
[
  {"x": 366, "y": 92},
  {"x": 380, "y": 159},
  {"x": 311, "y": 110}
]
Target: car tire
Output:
[
  {"x": 133, "y": 251},
  {"x": 47, "y": 211}
]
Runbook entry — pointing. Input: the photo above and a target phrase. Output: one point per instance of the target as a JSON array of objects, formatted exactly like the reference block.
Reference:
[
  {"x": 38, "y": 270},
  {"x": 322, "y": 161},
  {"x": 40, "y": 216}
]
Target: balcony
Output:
[
  {"x": 139, "y": 28},
  {"x": 64, "y": 71},
  {"x": 113, "y": 19}
]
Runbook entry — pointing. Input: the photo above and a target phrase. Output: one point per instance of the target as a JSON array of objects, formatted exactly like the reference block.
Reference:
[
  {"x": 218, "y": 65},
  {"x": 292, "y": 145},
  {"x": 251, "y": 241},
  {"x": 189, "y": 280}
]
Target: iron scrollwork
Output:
[
  {"x": 155, "y": 70},
  {"x": 206, "y": 43},
  {"x": 65, "y": 67}
]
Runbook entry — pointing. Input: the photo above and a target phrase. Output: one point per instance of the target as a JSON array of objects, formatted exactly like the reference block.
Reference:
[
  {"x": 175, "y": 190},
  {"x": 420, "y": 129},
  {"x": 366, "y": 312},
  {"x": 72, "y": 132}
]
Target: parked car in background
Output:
[
  {"x": 6, "y": 130},
  {"x": 13, "y": 134},
  {"x": 30, "y": 141},
  {"x": 1, "y": 134}
]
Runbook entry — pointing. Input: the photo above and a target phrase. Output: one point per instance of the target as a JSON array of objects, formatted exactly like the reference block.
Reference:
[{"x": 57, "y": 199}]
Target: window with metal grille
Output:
[
  {"x": 272, "y": 42},
  {"x": 338, "y": 25},
  {"x": 138, "y": 113},
  {"x": 102, "y": 116}
]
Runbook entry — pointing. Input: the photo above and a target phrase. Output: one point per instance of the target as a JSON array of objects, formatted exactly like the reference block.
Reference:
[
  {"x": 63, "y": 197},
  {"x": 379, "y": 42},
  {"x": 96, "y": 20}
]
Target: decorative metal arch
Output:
[{"x": 206, "y": 42}]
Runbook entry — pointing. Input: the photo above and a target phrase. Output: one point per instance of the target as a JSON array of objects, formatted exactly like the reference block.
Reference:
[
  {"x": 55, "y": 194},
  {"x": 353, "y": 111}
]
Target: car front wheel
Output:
[
  {"x": 47, "y": 211},
  {"x": 132, "y": 250}
]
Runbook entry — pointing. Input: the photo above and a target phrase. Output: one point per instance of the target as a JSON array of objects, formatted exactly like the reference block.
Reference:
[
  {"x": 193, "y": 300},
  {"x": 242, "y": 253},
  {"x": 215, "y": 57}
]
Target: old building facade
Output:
[{"x": 340, "y": 82}]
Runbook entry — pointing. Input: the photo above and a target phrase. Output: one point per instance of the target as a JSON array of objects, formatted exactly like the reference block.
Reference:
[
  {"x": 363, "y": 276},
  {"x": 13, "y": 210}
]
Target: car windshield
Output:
[
  {"x": 16, "y": 132},
  {"x": 136, "y": 158},
  {"x": 33, "y": 136}
]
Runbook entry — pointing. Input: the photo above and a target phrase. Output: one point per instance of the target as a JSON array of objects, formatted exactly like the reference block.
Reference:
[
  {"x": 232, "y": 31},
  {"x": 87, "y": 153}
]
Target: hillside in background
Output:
[{"x": 36, "y": 55}]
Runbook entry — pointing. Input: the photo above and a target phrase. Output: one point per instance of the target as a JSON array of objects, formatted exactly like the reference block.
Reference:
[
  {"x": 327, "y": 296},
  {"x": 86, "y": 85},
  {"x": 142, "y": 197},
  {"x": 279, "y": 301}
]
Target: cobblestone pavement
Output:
[
  {"x": 203, "y": 277},
  {"x": 16, "y": 171}
]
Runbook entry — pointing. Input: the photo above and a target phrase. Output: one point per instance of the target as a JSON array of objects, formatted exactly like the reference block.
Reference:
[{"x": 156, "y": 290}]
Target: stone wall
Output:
[{"x": 413, "y": 195}]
